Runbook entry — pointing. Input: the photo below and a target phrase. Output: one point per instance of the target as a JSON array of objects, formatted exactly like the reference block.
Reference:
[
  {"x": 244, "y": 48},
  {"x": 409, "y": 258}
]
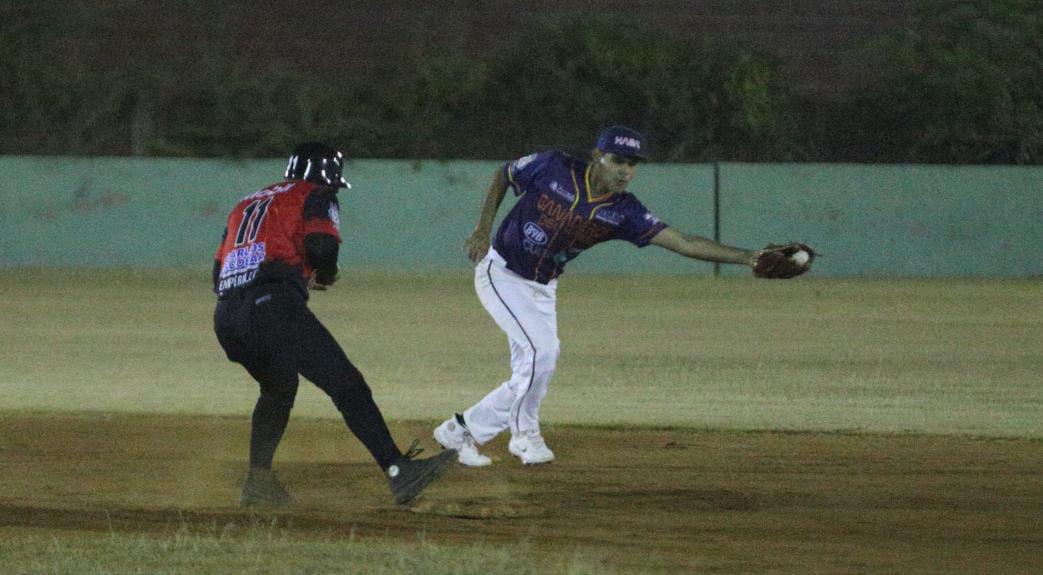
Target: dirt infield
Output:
[{"x": 643, "y": 500}]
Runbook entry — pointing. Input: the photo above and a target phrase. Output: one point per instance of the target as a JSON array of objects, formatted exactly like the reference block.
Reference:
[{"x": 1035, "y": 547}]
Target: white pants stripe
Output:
[{"x": 527, "y": 312}]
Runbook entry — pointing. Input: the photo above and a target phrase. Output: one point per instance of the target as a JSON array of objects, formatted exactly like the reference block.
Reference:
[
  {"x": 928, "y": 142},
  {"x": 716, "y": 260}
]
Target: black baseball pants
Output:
[{"x": 270, "y": 331}]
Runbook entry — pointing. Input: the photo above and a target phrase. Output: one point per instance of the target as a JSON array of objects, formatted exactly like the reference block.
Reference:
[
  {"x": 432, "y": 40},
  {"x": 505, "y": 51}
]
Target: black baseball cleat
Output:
[
  {"x": 407, "y": 476},
  {"x": 263, "y": 488}
]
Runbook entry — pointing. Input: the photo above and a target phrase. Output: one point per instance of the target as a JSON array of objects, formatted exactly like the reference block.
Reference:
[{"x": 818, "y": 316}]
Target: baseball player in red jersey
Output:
[
  {"x": 279, "y": 242},
  {"x": 565, "y": 206}
]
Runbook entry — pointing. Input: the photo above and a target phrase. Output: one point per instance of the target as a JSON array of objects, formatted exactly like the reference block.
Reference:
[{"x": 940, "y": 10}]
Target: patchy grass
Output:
[{"x": 268, "y": 550}]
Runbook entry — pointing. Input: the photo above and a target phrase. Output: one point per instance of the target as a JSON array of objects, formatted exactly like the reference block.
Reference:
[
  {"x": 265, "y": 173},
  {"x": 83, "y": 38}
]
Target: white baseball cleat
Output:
[
  {"x": 531, "y": 449},
  {"x": 453, "y": 434}
]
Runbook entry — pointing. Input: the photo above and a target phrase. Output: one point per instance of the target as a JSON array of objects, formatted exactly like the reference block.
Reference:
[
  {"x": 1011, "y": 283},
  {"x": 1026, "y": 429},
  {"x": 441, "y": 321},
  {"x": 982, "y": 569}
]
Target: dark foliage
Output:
[{"x": 961, "y": 85}]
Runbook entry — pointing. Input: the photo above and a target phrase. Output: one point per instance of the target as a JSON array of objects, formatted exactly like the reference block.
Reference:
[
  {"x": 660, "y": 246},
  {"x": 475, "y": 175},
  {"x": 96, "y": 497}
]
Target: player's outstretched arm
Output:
[
  {"x": 477, "y": 244},
  {"x": 701, "y": 248}
]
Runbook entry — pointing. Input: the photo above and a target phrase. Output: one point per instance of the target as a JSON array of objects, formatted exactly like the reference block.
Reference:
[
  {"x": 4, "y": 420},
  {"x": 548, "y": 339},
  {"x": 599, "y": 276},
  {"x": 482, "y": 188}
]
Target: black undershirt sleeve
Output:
[{"x": 321, "y": 251}]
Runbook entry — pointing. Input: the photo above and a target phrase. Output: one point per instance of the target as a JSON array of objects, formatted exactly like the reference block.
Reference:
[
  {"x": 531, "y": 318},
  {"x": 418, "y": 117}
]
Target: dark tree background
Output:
[{"x": 940, "y": 81}]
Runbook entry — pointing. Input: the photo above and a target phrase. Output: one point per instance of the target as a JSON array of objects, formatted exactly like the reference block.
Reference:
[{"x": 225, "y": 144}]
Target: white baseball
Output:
[{"x": 801, "y": 257}]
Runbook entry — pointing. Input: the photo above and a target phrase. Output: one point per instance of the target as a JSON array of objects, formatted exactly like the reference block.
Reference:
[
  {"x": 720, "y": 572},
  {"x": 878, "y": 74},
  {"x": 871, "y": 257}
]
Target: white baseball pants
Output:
[{"x": 527, "y": 312}]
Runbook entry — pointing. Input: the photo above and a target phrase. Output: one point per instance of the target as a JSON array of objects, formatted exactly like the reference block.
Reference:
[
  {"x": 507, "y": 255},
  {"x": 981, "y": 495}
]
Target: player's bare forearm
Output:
[
  {"x": 477, "y": 245},
  {"x": 700, "y": 248},
  {"x": 491, "y": 202}
]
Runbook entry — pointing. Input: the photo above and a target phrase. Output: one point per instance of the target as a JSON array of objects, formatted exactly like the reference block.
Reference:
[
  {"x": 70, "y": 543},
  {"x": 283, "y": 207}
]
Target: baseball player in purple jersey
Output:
[{"x": 565, "y": 205}]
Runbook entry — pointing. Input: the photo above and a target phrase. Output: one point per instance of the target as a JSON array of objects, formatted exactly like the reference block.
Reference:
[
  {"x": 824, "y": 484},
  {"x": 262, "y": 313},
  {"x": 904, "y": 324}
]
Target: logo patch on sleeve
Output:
[
  {"x": 335, "y": 216},
  {"x": 520, "y": 163}
]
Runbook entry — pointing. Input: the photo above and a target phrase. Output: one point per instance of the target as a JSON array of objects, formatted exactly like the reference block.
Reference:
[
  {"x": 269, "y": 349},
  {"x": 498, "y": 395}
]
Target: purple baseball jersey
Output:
[{"x": 556, "y": 217}]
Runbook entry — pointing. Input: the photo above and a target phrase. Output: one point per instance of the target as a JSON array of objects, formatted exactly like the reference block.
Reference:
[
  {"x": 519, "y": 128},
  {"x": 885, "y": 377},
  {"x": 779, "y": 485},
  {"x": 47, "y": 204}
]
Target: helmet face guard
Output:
[{"x": 317, "y": 163}]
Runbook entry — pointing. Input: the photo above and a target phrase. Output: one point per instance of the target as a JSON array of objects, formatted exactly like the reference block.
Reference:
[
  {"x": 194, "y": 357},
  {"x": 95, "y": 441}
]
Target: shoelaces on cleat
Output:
[{"x": 414, "y": 450}]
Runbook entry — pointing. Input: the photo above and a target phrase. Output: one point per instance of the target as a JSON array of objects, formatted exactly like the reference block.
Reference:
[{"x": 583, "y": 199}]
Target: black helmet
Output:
[{"x": 318, "y": 163}]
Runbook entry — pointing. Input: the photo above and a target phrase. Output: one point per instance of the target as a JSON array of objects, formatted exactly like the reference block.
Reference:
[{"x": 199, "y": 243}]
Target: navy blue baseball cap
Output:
[{"x": 623, "y": 141}]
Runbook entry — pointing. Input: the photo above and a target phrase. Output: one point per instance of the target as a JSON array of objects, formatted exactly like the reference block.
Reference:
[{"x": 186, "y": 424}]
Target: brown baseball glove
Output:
[{"x": 784, "y": 261}]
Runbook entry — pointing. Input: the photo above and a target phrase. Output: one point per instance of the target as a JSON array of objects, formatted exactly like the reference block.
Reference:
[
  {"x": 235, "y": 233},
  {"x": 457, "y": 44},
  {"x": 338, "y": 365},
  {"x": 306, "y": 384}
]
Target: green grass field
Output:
[
  {"x": 951, "y": 357},
  {"x": 264, "y": 549},
  {"x": 957, "y": 358}
]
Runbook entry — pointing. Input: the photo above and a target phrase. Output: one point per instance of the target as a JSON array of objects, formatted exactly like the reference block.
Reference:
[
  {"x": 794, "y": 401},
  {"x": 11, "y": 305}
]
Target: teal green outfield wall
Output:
[
  {"x": 414, "y": 216},
  {"x": 893, "y": 221}
]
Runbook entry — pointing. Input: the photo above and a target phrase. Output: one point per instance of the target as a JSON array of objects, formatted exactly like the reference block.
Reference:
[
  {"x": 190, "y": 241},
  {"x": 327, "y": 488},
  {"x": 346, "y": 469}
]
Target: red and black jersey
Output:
[{"x": 269, "y": 226}]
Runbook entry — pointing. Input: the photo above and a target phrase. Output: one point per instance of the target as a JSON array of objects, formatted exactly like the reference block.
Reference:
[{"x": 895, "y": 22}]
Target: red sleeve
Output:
[
  {"x": 219, "y": 253},
  {"x": 322, "y": 213}
]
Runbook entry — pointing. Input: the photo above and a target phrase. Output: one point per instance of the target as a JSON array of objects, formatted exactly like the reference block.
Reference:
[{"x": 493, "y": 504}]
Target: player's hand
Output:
[
  {"x": 477, "y": 245},
  {"x": 322, "y": 279}
]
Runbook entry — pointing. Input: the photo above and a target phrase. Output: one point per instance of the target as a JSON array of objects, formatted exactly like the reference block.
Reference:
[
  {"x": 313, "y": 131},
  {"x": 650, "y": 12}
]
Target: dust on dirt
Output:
[{"x": 643, "y": 500}]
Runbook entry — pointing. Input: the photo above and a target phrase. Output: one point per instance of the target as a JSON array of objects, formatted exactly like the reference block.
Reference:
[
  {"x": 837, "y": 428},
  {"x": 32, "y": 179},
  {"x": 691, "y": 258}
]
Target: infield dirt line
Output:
[{"x": 644, "y": 499}]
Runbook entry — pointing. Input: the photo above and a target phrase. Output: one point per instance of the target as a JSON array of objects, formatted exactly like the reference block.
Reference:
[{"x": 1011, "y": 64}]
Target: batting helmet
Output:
[{"x": 318, "y": 163}]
